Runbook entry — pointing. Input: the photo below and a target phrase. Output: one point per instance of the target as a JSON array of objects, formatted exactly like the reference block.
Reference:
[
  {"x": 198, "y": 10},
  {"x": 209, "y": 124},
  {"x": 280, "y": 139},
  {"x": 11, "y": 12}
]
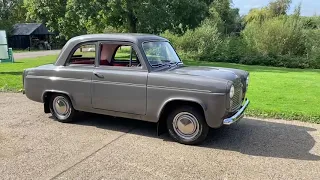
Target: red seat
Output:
[
  {"x": 83, "y": 62},
  {"x": 105, "y": 63},
  {"x": 118, "y": 64}
]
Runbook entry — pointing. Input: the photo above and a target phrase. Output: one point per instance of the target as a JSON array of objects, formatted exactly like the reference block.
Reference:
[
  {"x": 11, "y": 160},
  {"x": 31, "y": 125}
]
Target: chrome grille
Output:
[{"x": 236, "y": 100}]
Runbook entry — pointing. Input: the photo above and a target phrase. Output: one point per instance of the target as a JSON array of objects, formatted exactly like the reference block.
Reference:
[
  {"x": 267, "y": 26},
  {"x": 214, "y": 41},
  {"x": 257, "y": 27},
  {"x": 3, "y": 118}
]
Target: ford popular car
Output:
[{"x": 138, "y": 76}]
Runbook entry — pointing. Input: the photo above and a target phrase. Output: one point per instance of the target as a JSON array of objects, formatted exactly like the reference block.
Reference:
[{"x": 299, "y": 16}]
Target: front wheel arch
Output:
[
  {"x": 168, "y": 107},
  {"x": 179, "y": 102}
]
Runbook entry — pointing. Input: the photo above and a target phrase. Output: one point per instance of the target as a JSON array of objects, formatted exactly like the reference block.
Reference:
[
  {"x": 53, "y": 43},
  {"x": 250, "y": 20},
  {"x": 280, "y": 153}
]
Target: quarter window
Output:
[{"x": 84, "y": 55}]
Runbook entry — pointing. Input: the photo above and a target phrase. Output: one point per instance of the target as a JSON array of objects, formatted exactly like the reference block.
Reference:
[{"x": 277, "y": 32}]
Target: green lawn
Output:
[
  {"x": 280, "y": 92},
  {"x": 11, "y": 73},
  {"x": 274, "y": 92}
]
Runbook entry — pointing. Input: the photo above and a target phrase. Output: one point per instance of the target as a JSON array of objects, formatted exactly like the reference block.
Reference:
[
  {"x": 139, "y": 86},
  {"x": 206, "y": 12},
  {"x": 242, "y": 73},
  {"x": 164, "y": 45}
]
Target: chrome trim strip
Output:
[
  {"x": 54, "y": 78},
  {"x": 239, "y": 115},
  {"x": 181, "y": 89},
  {"x": 118, "y": 83}
]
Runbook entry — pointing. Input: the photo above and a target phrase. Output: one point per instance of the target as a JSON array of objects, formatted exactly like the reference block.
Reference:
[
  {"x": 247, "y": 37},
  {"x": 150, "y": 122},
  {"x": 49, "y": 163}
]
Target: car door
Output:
[
  {"x": 120, "y": 89},
  {"x": 75, "y": 76}
]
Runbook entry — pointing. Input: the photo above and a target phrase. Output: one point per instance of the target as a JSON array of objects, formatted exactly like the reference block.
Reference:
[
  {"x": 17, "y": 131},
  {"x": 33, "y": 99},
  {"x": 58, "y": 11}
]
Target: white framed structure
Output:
[{"x": 3, "y": 45}]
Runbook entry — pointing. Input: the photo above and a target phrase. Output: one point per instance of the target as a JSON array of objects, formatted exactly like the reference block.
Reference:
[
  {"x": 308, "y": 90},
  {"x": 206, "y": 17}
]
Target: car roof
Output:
[
  {"x": 129, "y": 37},
  {"x": 135, "y": 38}
]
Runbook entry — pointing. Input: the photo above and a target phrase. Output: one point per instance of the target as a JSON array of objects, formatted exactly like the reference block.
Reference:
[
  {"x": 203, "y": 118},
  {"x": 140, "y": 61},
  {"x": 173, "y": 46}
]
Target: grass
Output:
[
  {"x": 11, "y": 73},
  {"x": 274, "y": 92},
  {"x": 24, "y": 51},
  {"x": 280, "y": 92}
]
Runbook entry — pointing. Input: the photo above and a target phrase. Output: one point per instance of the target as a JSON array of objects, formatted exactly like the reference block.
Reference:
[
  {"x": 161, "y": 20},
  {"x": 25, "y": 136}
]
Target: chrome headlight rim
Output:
[
  {"x": 231, "y": 92},
  {"x": 247, "y": 81}
]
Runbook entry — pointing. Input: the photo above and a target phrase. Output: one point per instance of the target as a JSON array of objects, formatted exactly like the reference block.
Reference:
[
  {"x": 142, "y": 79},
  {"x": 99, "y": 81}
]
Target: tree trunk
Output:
[
  {"x": 132, "y": 19},
  {"x": 132, "y": 24}
]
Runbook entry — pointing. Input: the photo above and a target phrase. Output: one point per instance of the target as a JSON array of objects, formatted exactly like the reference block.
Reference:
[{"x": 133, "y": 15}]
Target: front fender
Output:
[{"x": 186, "y": 99}]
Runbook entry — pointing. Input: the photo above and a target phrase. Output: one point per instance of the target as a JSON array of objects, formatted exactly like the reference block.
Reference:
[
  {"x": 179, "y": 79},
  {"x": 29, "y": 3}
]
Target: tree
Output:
[
  {"x": 279, "y": 7},
  {"x": 154, "y": 16},
  {"x": 47, "y": 12},
  {"x": 227, "y": 19},
  {"x": 73, "y": 17},
  {"x": 274, "y": 9},
  {"x": 11, "y": 12}
]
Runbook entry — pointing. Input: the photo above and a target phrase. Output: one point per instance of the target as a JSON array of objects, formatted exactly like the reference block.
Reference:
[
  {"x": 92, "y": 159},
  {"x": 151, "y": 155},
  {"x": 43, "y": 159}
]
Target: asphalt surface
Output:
[
  {"x": 35, "y": 54},
  {"x": 34, "y": 146}
]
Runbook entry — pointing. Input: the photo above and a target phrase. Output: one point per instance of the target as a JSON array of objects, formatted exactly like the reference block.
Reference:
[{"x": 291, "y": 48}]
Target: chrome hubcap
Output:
[
  {"x": 186, "y": 125},
  {"x": 61, "y": 107}
]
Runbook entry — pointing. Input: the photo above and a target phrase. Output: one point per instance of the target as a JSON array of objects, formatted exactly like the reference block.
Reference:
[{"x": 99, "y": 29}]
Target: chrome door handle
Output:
[{"x": 98, "y": 75}]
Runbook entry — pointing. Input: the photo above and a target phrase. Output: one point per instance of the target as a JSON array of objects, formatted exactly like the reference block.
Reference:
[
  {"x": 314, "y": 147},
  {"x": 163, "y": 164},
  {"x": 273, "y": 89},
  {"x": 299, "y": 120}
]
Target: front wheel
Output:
[
  {"x": 187, "y": 125},
  {"x": 61, "y": 108}
]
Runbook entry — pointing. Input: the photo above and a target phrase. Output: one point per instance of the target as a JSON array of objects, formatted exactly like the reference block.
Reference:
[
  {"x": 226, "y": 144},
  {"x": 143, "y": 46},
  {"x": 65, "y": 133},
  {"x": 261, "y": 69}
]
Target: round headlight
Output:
[
  {"x": 232, "y": 91},
  {"x": 247, "y": 81}
]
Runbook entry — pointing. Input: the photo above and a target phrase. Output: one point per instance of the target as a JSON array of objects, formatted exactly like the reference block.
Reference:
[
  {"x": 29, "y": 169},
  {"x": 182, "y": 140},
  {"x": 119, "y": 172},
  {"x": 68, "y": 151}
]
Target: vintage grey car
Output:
[{"x": 138, "y": 76}]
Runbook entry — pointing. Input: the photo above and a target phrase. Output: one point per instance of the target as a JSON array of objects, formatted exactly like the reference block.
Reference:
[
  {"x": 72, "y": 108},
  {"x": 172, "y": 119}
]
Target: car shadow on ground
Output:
[{"x": 249, "y": 136}]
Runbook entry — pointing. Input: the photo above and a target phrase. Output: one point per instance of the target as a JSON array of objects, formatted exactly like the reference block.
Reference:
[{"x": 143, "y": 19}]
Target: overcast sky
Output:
[{"x": 309, "y": 7}]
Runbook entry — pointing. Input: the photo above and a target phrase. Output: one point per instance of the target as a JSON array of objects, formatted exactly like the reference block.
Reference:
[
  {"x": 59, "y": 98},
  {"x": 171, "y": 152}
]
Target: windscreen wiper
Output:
[
  {"x": 172, "y": 62},
  {"x": 158, "y": 65}
]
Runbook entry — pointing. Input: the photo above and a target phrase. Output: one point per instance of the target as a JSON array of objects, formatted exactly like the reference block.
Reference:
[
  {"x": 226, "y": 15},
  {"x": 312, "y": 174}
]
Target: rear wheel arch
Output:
[{"x": 47, "y": 96}]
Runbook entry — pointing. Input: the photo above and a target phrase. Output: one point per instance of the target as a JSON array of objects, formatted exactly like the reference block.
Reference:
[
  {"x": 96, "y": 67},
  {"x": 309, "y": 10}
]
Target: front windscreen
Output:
[{"x": 160, "y": 53}]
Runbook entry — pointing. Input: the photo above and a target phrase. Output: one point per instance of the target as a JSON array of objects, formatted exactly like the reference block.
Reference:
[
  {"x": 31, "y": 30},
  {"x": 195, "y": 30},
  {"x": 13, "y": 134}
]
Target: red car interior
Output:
[{"x": 106, "y": 58}]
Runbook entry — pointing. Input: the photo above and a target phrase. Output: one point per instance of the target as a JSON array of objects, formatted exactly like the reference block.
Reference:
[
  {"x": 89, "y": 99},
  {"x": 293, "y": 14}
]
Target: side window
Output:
[
  {"x": 85, "y": 54},
  {"x": 124, "y": 53},
  {"x": 118, "y": 55}
]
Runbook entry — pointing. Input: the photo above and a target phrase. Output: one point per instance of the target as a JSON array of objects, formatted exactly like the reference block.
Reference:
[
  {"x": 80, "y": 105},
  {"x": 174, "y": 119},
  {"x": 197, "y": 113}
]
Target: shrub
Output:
[
  {"x": 277, "y": 36},
  {"x": 313, "y": 46},
  {"x": 280, "y": 41},
  {"x": 201, "y": 43}
]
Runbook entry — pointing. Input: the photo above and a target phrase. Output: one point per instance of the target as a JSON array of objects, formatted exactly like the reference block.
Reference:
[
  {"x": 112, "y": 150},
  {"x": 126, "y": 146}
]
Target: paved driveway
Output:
[
  {"x": 34, "y": 146},
  {"x": 34, "y": 54}
]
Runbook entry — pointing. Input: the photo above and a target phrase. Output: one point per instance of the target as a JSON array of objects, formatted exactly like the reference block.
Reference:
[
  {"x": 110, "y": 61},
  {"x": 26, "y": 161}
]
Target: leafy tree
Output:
[
  {"x": 227, "y": 19},
  {"x": 82, "y": 17},
  {"x": 49, "y": 12},
  {"x": 73, "y": 17},
  {"x": 279, "y": 7},
  {"x": 154, "y": 16},
  {"x": 11, "y": 12},
  {"x": 274, "y": 9}
]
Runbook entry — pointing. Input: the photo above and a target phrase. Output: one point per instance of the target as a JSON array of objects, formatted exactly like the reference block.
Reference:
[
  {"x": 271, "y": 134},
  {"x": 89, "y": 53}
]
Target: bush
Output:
[
  {"x": 201, "y": 43},
  {"x": 313, "y": 46},
  {"x": 279, "y": 41},
  {"x": 275, "y": 37},
  {"x": 278, "y": 61}
]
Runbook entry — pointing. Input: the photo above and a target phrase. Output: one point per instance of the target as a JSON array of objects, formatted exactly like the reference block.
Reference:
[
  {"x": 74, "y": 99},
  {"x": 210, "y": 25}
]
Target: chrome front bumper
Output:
[{"x": 239, "y": 115}]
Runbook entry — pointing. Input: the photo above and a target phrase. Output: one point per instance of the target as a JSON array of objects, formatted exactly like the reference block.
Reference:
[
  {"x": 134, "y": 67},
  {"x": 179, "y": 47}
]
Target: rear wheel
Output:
[
  {"x": 187, "y": 125},
  {"x": 61, "y": 108}
]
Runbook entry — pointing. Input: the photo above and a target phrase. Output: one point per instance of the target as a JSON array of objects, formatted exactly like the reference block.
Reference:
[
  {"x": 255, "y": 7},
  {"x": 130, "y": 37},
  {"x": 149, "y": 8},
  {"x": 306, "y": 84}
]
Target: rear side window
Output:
[
  {"x": 124, "y": 53},
  {"x": 118, "y": 55},
  {"x": 84, "y": 55}
]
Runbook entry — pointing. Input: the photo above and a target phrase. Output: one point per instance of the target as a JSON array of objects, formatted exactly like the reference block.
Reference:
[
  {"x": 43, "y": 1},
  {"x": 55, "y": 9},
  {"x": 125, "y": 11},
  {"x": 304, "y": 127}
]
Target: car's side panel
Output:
[
  {"x": 75, "y": 81},
  {"x": 120, "y": 89}
]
